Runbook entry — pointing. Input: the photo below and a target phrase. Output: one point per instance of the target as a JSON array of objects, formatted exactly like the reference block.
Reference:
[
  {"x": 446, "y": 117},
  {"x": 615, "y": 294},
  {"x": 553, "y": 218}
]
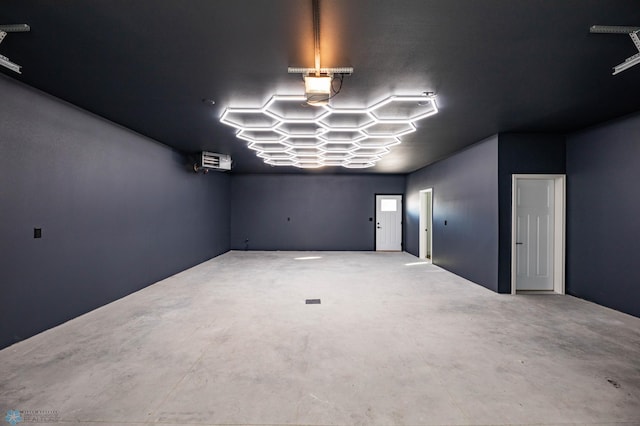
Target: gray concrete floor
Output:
[{"x": 231, "y": 341}]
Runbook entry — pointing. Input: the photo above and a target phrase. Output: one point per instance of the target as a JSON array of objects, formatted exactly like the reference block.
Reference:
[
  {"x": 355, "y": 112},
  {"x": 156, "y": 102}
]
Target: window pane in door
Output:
[{"x": 388, "y": 205}]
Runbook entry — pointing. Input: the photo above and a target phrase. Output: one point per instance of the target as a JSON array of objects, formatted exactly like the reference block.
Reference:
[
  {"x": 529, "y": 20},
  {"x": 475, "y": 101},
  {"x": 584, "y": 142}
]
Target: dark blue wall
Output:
[
  {"x": 307, "y": 212},
  {"x": 603, "y": 226},
  {"x": 117, "y": 211},
  {"x": 465, "y": 194},
  {"x": 519, "y": 154}
]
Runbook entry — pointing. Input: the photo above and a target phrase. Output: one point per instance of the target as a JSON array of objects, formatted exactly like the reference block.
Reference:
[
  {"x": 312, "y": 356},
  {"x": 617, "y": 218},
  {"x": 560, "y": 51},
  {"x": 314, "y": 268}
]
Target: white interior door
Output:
[
  {"x": 534, "y": 230},
  {"x": 429, "y": 227},
  {"x": 426, "y": 220},
  {"x": 389, "y": 222}
]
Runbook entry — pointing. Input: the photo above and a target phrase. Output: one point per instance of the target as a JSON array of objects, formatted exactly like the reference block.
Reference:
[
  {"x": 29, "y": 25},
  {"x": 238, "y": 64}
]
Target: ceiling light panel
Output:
[
  {"x": 265, "y": 135},
  {"x": 286, "y": 131}
]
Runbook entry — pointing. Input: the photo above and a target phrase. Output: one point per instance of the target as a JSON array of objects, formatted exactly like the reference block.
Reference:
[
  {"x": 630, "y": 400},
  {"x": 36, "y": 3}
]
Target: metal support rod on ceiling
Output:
[
  {"x": 612, "y": 29},
  {"x": 317, "y": 68},
  {"x": 633, "y": 32},
  {"x": 13, "y": 28},
  {"x": 315, "y": 5}
]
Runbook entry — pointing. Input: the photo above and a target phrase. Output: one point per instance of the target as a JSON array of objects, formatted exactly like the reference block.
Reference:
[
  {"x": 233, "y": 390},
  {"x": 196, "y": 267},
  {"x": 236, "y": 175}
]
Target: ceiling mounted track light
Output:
[
  {"x": 14, "y": 28},
  {"x": 633, "y": 32}
]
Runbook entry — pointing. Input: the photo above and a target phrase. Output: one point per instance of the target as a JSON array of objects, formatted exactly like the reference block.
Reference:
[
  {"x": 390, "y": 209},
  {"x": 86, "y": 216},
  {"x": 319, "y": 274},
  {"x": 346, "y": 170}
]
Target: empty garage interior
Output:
[{"x": 141, "y": 287}]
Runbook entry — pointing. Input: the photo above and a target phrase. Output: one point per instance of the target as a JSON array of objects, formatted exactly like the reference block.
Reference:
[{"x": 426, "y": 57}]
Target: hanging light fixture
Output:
[{"x": 284, "y": 131}]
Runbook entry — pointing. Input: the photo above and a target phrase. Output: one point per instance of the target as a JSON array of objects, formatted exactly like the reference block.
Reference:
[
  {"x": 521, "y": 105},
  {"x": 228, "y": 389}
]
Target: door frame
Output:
[
  {"x": 559, "y": 228},
  {"x": 426, "y": 219},
  {"x": 375, "y": 218}
]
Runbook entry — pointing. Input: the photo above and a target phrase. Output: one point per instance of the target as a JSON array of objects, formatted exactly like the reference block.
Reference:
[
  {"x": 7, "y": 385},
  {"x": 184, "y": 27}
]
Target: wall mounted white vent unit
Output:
[{"x": 213, "y": 161}]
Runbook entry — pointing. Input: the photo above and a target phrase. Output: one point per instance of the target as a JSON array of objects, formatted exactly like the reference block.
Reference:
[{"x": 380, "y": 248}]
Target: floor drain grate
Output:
[{"x": 312, "y": 301}]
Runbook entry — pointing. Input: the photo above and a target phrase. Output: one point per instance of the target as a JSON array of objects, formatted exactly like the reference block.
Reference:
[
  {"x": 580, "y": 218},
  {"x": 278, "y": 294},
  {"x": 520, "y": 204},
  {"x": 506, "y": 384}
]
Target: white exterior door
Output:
[
  {"x": 389, "y": 222},
  {"x": 534, "y": 230}
]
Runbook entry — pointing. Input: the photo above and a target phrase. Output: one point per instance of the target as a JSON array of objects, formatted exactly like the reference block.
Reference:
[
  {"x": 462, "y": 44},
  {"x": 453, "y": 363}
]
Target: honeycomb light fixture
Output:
[
  {"x": 306, "y": 131},
  {"x": 285, "y": 131}
]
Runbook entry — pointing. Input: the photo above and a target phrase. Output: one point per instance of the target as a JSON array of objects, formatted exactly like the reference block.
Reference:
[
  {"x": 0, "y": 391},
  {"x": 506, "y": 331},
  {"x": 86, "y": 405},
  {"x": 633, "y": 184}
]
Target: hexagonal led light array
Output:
[{"x": 288, "y": 132}]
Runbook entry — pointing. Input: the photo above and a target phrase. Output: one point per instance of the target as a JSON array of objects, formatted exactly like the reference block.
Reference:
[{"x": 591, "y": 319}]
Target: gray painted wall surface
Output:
[
  {"x": 326, "y": 212},
  {"x": 603, "y": 234},
  {"x": 520, "y": 154},
  {"x": 117, "y": 211},
  {"x": 465, "y": 194}
]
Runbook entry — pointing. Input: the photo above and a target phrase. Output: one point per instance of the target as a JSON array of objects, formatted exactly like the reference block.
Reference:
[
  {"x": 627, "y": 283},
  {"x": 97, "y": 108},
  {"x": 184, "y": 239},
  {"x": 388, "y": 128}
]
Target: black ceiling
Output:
[{"x": 495, "y": 65}]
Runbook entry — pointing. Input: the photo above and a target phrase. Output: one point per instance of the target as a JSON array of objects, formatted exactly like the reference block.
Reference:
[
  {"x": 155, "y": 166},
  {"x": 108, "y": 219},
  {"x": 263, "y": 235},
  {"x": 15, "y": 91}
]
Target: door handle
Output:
[{"x": 517, "y": 243}]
